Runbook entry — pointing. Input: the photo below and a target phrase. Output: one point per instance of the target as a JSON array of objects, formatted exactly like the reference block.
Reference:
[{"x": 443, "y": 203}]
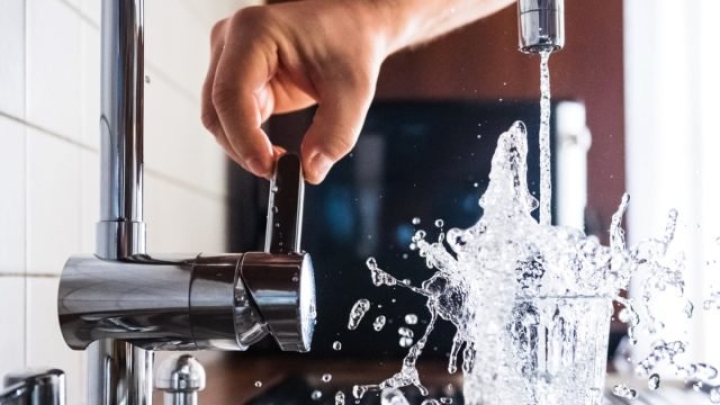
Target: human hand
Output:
[{"x": 285, "y": 57}]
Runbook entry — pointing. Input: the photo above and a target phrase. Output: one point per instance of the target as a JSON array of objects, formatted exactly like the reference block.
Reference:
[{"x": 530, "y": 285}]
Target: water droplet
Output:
[
  {"x": 624, "y": 315},
  {"x": 623, "y": 391},
  {"x": 406, "y": 332},
  {"x": 258, "y": 384},
  {"x": 359, "y": 391},
  {"x": 316, "y": 395},
  {"x": 416, "y": 221},
  {"x": 446, "y": 400},
  {"x": 654, "y": 382},
  {"x": 326, "y": 377},
  {"x": 411, "y": 319},
  {"x": 392, "y": 396},
  {"x": 357, "y": 313},
  {"x": 405, "y": 342},
  {"x": 715, "y": 395},
  {"x": 337, "y": 346},
  {"x": 404, "y": 256},
  {"x": 339, "y": 398},
  {"x": 476, "y": 185},
  {"x": 439, "y": 223},
  {"x": 379, "y": 323}
]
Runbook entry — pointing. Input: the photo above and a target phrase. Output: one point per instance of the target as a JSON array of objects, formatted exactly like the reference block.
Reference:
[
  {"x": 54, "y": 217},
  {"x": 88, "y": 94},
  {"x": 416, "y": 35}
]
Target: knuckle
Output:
[
  {"x": 209, "y": 120},
  {"x": 338, "y": 146},
  {"x": 251, "y": 17},
  {"x": 218, "y": 30},
  {"x": 223, "y": 97}
]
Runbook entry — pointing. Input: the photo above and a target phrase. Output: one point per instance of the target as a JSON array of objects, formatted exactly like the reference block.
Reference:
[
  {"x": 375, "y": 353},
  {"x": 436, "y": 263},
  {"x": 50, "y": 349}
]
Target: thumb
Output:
[{"x": 342, "y": 107}]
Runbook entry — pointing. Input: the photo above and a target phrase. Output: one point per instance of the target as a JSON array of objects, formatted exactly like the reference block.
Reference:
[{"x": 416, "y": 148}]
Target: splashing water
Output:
[
  {"x": 531, "y": 303},
  {"x": 339, "y": 398}
]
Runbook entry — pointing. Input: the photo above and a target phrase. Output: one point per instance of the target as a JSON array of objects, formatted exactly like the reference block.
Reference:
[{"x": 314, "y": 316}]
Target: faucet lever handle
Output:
[{"x": 285, "y": 206}]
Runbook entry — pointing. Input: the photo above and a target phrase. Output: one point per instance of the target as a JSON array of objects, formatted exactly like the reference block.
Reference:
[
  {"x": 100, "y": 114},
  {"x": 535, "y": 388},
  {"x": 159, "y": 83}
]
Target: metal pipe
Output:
[
  {"x": 121, "y": 231},
  {"x": 118, "y": 372}
]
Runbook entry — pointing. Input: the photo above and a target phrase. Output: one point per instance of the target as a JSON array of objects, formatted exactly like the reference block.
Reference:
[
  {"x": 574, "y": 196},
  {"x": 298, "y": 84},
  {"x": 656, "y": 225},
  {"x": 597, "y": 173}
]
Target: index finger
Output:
[{"x": 242, "y": 96}]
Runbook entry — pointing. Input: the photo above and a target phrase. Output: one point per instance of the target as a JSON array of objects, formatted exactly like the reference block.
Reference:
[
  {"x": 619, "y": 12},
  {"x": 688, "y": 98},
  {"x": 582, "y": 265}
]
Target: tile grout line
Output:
[
  {"x": 169, "y": 81},
  {"x": 26, "y": 276},
  {"x": 44, "y": 130},
  {"x": 80, "y": 14},
  {"x": 212, "y": 195}
]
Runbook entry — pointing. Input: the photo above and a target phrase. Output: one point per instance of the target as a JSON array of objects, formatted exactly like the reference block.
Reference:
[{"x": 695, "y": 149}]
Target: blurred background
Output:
[{"x": 634, "y": 94}]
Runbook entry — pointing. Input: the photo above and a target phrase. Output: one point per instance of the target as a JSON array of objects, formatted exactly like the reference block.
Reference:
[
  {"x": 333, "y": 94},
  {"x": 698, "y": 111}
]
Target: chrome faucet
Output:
[
  {"x": 34, "y": 387},
  {"x": 541, "y": 25},
  {"x": 122, "y": 303}
]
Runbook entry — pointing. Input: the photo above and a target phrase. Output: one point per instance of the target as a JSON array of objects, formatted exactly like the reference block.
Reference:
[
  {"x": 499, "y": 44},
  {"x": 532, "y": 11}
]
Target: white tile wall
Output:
[
  {"x": 12, "y": 198},
  {"x": 49, "y": 182},
  {"x": 53, "y": 202},
  {"x": 12, "y": 58},
  {"x": 12, "y": 333},
  {"x": 53, "y": 59}
]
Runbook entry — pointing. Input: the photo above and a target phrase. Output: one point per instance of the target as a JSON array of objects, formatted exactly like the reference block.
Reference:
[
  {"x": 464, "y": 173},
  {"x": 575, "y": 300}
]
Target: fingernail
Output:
[
  {"x": 256, "y": 166},
  {"x": 321, "y": 165}
]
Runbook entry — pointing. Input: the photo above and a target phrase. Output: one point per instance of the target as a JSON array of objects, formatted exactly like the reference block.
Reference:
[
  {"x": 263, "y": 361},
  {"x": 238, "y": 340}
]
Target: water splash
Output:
[{"x": 534, "y": 295}]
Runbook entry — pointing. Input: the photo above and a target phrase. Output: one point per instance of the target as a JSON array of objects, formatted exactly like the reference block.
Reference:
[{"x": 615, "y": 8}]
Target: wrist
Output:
[{"x": 392, "y": 21}]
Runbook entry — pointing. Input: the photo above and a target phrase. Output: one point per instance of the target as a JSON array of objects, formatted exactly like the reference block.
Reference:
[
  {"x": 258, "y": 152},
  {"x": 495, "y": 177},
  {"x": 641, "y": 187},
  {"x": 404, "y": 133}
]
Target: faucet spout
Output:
[{"x": 541, "y": 25}]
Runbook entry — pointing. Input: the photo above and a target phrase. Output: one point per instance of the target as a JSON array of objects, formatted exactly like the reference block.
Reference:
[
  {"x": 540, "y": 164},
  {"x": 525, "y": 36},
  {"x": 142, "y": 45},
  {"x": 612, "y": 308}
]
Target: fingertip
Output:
[
  {"x": 316, "y": 167},
  {"x": 259, "y": 166},
  {"x": 278, "y": 151}
]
